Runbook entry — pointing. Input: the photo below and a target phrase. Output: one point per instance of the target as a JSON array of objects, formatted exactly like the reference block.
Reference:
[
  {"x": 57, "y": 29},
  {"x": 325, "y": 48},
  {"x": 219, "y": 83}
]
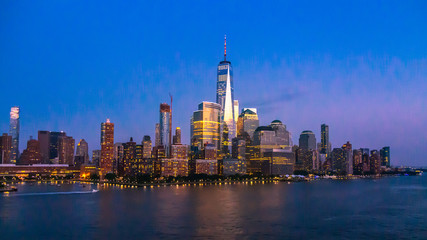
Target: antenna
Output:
[{"x": 225, "y": 47}]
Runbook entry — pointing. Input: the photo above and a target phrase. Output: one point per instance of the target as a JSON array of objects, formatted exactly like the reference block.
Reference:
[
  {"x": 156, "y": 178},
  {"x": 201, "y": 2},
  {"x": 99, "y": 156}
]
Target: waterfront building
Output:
[
  {"x": 146, "y": 142},
  {"x": 304, "y": 160},
  {"x": 5, "y": 148},
  {"x": 357, "y": 162},
  {"x": 385, "y": 156},
  {"x": 96, "y": 157},
  {"x": 53, "y": 146},
  {"x": 365, "y": 159},
  {"x": 324, "y": 141},
  {"x": 225, "y": 98},
  {"x": 174, "y": 167},
  {"x": 83, "y": 150},
  {"x": 129, "y": 158},
  {"x": 14, "y": 132},
  {"x": 231, "y": 167},
  {"x": 44, "y": 141},
  {"x": 31, "y": 155},
  {"x": 209, "y": 167},
  {"x": 339, "y": 162},
  {"x": 118, "y": 153},
  {"x": 177, "y": 136},
  {"x": 307, "y": 140},
  {"x": 107, "y": 148},
  {"x": 283, "y": 137},
  {"x": 375, "y": 162},
  {"x": 247, "y": 122},
  {"x": 66, "y": 146},
  {"x": 205, "y": 125},
  {"x": 157, "y": 135},
  {"x": 348, "y": 151},
  {"x": 179, "y": 151},
  {"x": 78, "y": 161}
]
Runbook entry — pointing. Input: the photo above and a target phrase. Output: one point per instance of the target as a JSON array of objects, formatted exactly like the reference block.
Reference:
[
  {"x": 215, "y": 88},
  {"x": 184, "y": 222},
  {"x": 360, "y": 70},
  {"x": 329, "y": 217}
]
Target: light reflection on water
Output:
[{"x": 357, "y": 209}]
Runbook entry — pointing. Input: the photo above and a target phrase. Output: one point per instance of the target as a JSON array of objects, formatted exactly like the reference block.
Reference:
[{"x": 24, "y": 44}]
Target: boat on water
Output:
[
  {"x": 8, "y": 189},
  {"x": 95, "y": 190}
]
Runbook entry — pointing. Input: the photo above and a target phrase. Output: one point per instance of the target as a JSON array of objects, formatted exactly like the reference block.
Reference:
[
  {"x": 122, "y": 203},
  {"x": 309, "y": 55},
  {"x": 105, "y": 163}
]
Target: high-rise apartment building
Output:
[
  {"x": 5, "y": 148},
  {"x": 324, "y": 141},
  {"x": 107, "y": 147},
  {"x": 14, "y": 132},
  {"x": 53, "y": 145},
  {"x": 225, "y": 98},
  {"x": 83, "y": 150},
  {"x": 31, "y": 155},
  {"x": 66, "y": 146},
  {"x": 147, "y": 148}
]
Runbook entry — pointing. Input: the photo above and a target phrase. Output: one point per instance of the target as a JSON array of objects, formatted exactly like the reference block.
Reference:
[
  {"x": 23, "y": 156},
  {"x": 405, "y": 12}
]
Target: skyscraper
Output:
[
  {"x": 107, "y": 147},
  {"x": 14, "y": 132},
  {"x": 157, "y": 135},
  {"x": 385, "y": 156},
  {"x": 53, "y": 145},
  {"x": 205, "y": 125},
  {"x": 236, "y": 110},
  {"x": 31, "y": 155},
  {"x": 44, "y": 141},
  {"x": 83, "y": 150},
  {"x": 66, "y": 146},
  {"x": 225, "y": 98},
  {"x": 324, "y": 142},
  {"x": 146, "y": 142},
  {"x": 5, "y": 148},
  {"x": 307, "y": 140},
  {"x": 177, "y": 137},
  {"x": 247, "y": 122},
  {"x": 165, "y": 127}
]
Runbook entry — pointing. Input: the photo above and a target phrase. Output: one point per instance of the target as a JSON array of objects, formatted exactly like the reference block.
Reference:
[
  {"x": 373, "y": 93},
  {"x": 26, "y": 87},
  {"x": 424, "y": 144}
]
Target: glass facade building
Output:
[
  {"x": 205, "y": 125},
  {"x": 247, "y": 122},
  {"x": 165, "y": 126},
  {"x": 324, "y": 141},
  {"x": 307, "y": 140},
  {"x": 14, "y": 132}
]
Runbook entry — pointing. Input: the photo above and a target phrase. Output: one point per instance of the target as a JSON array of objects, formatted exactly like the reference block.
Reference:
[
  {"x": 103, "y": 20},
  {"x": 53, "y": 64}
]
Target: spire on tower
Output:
[{"x": 225, "y": 47}]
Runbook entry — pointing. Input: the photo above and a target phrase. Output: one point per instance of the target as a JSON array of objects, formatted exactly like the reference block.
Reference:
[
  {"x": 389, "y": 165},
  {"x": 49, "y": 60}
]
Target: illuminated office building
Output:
[
  {"x": 225, "y": 98},
  {"x": 146, "y": 142},
  {"x": 5, "y": 148},
  {"x": 357, "y": 162},
  {"x": 307, "y": 140},
  {"x": 83, "y": 150},
  {"x": 283, "y": 136},
  {"x": 96, "y": 156},
  {"x": 385, "y": 156},
  {"x": 339, "y": 162},
  {"x": 348, "y": 151},
  {"x": 247, "y": 122},
  {"x": 129, "y": 158},
  {"x": 236, "y": 111},
  {"x": 107, "y": 147},
  {"x": 118, "y": 159},
  {"x": 14, "y": 132},
  {"x": 375, "y": 162},
  {"x": 324, "y": 139},
  {"x": 205, "y": 125}
]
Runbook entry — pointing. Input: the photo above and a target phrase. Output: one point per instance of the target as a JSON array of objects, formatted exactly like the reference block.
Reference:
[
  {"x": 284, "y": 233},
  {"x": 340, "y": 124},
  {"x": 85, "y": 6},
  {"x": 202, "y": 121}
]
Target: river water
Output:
[{"x": 387, "y": 208}]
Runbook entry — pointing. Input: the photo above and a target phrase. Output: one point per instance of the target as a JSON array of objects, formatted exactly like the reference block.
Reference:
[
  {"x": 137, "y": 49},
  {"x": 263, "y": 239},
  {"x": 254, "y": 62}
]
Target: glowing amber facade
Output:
[
  {"x": 205, "y": 125},
  {"x": 107, "y": 147}
]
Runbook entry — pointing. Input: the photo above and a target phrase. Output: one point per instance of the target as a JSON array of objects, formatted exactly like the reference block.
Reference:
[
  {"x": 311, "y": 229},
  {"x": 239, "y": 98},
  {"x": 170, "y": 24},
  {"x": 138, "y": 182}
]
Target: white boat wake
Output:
[{"x": 52, "y": 193}]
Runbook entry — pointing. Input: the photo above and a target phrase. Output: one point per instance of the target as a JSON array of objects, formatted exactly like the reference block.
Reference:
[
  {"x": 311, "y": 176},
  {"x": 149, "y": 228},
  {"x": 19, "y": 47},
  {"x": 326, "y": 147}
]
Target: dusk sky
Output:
[{"x": 360, "y": 67}]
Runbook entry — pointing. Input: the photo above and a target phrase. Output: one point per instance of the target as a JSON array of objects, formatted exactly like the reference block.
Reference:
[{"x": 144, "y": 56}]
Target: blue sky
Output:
[{"x": 358, "y": 66}]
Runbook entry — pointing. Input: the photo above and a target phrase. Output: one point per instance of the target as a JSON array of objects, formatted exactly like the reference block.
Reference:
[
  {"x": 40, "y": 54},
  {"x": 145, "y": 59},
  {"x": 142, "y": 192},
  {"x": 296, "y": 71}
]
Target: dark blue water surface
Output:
[{"x": 387, "y": 208}]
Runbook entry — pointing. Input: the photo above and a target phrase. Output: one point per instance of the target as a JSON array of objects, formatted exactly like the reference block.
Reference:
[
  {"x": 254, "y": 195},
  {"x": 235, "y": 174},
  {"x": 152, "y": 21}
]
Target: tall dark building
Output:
[
  {"x": 307, "y": 140},
  {"x": 83, "y": 150},
  {"x": 53, "y": 145},
  {"x": 165, "y": 126},
  {"x": 375, "y": 162},
  {"x": 324, "y": 141},
  {"x": 157, "y": 135},
  {"x": 44, "y": 141},
  {"x": 66, "y": 146},
  {"x": 5, "y": 148},
  {"x": 14, "y": 132},
  {"x": 385, "y": 156}
]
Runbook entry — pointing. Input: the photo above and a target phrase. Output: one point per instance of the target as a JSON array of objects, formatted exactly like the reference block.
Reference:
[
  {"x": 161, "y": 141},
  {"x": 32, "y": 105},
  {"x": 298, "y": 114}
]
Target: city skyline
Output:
[{"x": 335, "y": 78}]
